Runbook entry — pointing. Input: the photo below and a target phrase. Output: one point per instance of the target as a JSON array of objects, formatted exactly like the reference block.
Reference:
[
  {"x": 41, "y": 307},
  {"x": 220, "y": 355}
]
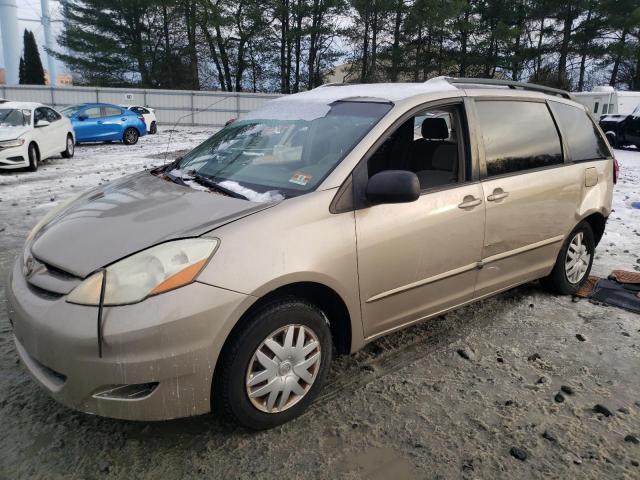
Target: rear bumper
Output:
[{"x": 171, "y": 341}]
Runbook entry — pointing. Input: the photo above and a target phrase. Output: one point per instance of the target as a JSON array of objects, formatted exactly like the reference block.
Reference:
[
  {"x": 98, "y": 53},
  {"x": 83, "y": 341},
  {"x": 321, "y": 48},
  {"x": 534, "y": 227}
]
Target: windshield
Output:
[
  {"x": 71, "y": 110},
  {"x": 11, "y": 117},
  {"x": 265, "y": 159}
]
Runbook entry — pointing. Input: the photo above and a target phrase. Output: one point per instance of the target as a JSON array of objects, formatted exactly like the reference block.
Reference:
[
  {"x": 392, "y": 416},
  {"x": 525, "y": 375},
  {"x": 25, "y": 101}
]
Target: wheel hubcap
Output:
[
  {"x": 577, "y": 260},
  {"x": 70, "y": 145},
  {"x": 283, "y": 368}
]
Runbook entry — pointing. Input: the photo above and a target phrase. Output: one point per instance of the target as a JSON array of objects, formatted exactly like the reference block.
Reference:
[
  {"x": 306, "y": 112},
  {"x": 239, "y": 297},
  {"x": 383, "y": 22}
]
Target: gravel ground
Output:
[{"x": 472, "y": 394}]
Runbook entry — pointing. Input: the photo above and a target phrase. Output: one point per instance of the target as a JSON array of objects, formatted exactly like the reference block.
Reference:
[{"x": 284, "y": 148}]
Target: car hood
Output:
[
  {"x": 129, "y": 215},
  {"x": 613, "y": 118},
  {"x": 11, "y": 133}
]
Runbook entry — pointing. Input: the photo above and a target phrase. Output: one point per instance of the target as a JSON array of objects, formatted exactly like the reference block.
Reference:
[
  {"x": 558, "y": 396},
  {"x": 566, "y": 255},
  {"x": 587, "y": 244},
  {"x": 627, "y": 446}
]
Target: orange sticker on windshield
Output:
[{"x": 300, "y": 178}]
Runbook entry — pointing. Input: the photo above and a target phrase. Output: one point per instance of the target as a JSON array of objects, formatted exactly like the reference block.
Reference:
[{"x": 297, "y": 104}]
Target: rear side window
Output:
[
  {"x": 517, "y": 136},
  {"x": 112, "y": 111},
  {"x": 582, "y": 136}
]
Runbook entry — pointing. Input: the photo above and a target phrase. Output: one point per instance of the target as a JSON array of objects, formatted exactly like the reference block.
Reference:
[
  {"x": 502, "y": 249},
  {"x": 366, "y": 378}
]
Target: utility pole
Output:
[
  {"x": 10, "y": 40},
  {"x": 46, "y": 24}
]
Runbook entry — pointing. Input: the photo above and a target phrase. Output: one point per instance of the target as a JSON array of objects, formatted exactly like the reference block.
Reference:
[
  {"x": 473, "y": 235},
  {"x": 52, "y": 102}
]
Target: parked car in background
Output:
[
  {"x": 31, "y": 132},
  {"x": 104, "y": 122},
  {"x": 622, "y": 129},
  {"x": 315, "y": 224},
  {"x": 149, "y": 115},
  {"x": 2, "y": 100}
]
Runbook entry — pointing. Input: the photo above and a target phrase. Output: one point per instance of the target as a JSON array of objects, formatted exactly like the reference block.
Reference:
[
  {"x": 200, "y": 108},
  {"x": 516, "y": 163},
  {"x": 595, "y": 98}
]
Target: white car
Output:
[
  {"x": 31, "y": 132},
  {"x": 149, "y": 115}
]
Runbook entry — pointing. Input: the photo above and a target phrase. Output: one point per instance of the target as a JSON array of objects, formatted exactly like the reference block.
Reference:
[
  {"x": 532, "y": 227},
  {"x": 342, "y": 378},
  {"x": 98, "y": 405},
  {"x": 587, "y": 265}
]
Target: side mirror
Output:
[
  {"x": 82, "y": 118},
  {"x": 393, "y": 186},
  {"x": 42, "y": 123}
]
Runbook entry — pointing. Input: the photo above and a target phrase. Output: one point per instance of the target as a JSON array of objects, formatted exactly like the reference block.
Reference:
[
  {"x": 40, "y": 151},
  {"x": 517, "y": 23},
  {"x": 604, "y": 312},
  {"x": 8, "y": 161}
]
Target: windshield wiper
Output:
[{"x": 209, "y": 183}]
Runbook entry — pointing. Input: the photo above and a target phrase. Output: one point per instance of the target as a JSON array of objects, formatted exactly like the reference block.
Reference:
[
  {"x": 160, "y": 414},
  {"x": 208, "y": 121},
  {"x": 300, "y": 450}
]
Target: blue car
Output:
[{"x": 104, "y": 122}]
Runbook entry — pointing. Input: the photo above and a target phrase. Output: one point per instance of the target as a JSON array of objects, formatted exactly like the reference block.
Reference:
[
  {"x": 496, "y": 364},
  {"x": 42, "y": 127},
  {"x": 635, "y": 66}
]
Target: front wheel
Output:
[
  {"x": 69, "y": 151},
  {"x": 573, "y": 263},
  {"x": 275, "y": 366},
  {"x": 130, "y": 136},
  {"x": 34, "y": 157}
]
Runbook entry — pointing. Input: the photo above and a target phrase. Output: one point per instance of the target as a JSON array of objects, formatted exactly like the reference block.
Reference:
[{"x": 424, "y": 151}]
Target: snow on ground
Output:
[{"x": 455, "y": 397}]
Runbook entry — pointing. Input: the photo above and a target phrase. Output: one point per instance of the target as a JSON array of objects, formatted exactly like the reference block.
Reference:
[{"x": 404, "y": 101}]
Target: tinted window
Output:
[
  {"x": 39, "y": 114},
  {"x": 93, "y": 112},
  {"x": 51, "y": 115},
  {"x": 582, "y": 137},
  {"x": 112, "y": 111},
  {"x": 518, "y": 136}
]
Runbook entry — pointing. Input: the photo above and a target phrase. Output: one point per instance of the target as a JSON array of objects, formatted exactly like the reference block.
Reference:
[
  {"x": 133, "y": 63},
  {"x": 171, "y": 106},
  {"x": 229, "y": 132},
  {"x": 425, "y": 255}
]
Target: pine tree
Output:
[
  {"x": 21, "y": 71},
  {"x": 33, "y": 73}
]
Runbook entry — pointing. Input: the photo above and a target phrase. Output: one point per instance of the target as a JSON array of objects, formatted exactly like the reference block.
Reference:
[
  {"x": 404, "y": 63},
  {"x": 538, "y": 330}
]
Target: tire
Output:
[
  {"x": 130, "y": 136},
  {"x": 240, "y": 363},
  {"x": 70, "y": 150},
  {"x": 34, "y": 157},
  {"x": 564, "y": 280},
  {"x": 153, "y": 129},
  {"x": 613, "y": 139}
]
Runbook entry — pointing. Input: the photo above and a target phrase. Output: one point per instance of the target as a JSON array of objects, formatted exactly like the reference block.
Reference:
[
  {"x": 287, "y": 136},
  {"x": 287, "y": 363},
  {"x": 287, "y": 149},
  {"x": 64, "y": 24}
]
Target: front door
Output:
[
  {"x": 86, "y": 124},
  {"x": 416, "y": 259}
]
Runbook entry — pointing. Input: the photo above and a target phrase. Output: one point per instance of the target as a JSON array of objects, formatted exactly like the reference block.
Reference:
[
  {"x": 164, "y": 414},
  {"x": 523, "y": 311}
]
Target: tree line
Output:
[{"x": 293, "y": 45}]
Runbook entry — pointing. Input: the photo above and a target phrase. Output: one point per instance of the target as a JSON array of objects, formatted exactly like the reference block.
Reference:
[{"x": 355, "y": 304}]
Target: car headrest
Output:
[{"x": 435, "y": 129}]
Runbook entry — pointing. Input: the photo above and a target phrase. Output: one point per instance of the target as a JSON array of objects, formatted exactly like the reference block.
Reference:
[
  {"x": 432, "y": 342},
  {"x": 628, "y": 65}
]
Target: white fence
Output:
[{"x": 191, "y": 107}]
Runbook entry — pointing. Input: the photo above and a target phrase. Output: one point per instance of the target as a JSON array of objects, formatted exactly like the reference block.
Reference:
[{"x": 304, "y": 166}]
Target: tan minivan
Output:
[{"x": 317, "y": 223}]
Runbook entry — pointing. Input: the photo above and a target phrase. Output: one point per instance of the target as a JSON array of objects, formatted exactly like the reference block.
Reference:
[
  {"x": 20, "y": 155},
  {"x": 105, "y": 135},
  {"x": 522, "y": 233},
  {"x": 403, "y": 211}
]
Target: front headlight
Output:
[
  {"x": 18, "y": 142},
  {"x": 156, "y": 270}
]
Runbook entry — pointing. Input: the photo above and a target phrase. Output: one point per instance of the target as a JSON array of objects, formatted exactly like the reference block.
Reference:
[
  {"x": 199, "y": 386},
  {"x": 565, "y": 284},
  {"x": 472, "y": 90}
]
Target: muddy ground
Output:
[{"x": 460, "y": 396}]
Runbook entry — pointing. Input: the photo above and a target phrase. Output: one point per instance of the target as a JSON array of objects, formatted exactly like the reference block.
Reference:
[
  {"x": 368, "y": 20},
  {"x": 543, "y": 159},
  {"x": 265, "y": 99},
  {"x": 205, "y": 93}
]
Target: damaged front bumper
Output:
[{"x": 158, "y": 355}]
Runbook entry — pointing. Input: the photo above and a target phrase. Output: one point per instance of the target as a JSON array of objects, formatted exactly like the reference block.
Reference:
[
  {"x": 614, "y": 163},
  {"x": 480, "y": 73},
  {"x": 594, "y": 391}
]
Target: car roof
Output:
[
  {"x": 94, "y": 104},
  {"x": 22, "y": 105},
  {"x": 314, "y": 103}
]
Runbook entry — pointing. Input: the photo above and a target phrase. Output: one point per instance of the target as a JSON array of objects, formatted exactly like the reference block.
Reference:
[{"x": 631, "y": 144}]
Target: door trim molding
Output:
[
  {"x": 465, "y": 268},
  {"x": 516, "y": 251},
  {"x": 425, "y": 281}
]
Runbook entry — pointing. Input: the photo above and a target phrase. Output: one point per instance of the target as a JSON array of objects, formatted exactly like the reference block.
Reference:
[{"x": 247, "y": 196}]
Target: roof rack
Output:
[{"x": 511, "y": 84}]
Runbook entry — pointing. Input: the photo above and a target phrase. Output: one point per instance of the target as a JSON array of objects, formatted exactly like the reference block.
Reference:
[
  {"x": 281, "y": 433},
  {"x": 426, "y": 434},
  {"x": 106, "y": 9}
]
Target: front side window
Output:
[
  {"x": 93, "y": 112},
  {"x": 517, "y": 136},
  {"x": 71, "y": 110},
  {"x": 51, "y": 115},
  {"x": 582, "y": 136},
  {"x": 13, "y": 117},
  {"x": 286, "y": 154},
  {"x": 428, "y": 144}
]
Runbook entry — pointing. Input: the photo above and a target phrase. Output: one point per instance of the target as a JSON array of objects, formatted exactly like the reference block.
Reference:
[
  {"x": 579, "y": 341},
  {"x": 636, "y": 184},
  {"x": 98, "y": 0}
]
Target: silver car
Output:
[{"x": 229, "y": 278}]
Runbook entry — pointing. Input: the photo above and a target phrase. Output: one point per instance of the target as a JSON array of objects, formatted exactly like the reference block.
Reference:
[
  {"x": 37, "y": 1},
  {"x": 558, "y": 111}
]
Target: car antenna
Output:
[{"x": 194, "y": 112}]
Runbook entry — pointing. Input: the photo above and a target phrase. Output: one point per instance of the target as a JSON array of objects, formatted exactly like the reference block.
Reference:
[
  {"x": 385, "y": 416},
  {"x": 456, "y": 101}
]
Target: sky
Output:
[{"x": 30, "y": 10}]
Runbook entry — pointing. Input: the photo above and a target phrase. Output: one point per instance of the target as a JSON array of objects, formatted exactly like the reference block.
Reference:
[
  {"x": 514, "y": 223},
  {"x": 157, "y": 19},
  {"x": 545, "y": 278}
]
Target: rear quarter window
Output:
[
  {"x": 582, "y": 136},
  {"x": 517, "y": 136}
]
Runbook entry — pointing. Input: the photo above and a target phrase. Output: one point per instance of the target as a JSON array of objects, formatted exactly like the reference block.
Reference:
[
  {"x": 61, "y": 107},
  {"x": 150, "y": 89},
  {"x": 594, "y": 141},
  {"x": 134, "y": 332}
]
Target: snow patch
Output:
[{"x": 252, "y": 195}]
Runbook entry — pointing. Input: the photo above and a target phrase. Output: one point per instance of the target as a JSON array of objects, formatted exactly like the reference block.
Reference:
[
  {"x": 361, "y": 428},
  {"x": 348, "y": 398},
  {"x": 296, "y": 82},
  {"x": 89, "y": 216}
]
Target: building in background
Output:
[{"x": 63, "y": 79}]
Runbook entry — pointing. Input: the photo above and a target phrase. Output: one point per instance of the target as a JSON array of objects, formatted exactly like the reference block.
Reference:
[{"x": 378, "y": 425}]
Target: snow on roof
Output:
[
  {"x": 21, "y": 105},
  {"x": 316, "y": 103}
]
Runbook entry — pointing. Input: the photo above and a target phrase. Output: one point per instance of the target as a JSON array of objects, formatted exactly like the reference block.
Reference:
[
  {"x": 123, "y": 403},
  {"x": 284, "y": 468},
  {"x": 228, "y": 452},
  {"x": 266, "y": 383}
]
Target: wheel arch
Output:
[{"x": 597, "y": 221}]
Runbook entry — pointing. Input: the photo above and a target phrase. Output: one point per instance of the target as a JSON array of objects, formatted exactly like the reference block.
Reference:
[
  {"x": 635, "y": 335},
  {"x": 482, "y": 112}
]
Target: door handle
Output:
[
  {"x": 469, "y": 201},
  {"x": 498, "y": 194}
]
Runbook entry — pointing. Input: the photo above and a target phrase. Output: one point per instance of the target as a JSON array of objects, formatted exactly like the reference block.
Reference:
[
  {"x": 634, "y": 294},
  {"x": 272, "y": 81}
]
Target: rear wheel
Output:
[
  {"x": 34, "y": 157},
  {"x": 573, "y": 263},
  {"x": 130, "y": 136},
  {"x": 153, "y": 129},
  {"x": 69, "y": 151},
  {"x": 273, "y": 368}
]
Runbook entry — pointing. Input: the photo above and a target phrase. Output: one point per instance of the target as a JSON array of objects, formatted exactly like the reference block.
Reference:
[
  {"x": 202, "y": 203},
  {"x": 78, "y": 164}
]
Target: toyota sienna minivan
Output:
[{"x": 319, "y": 222}]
